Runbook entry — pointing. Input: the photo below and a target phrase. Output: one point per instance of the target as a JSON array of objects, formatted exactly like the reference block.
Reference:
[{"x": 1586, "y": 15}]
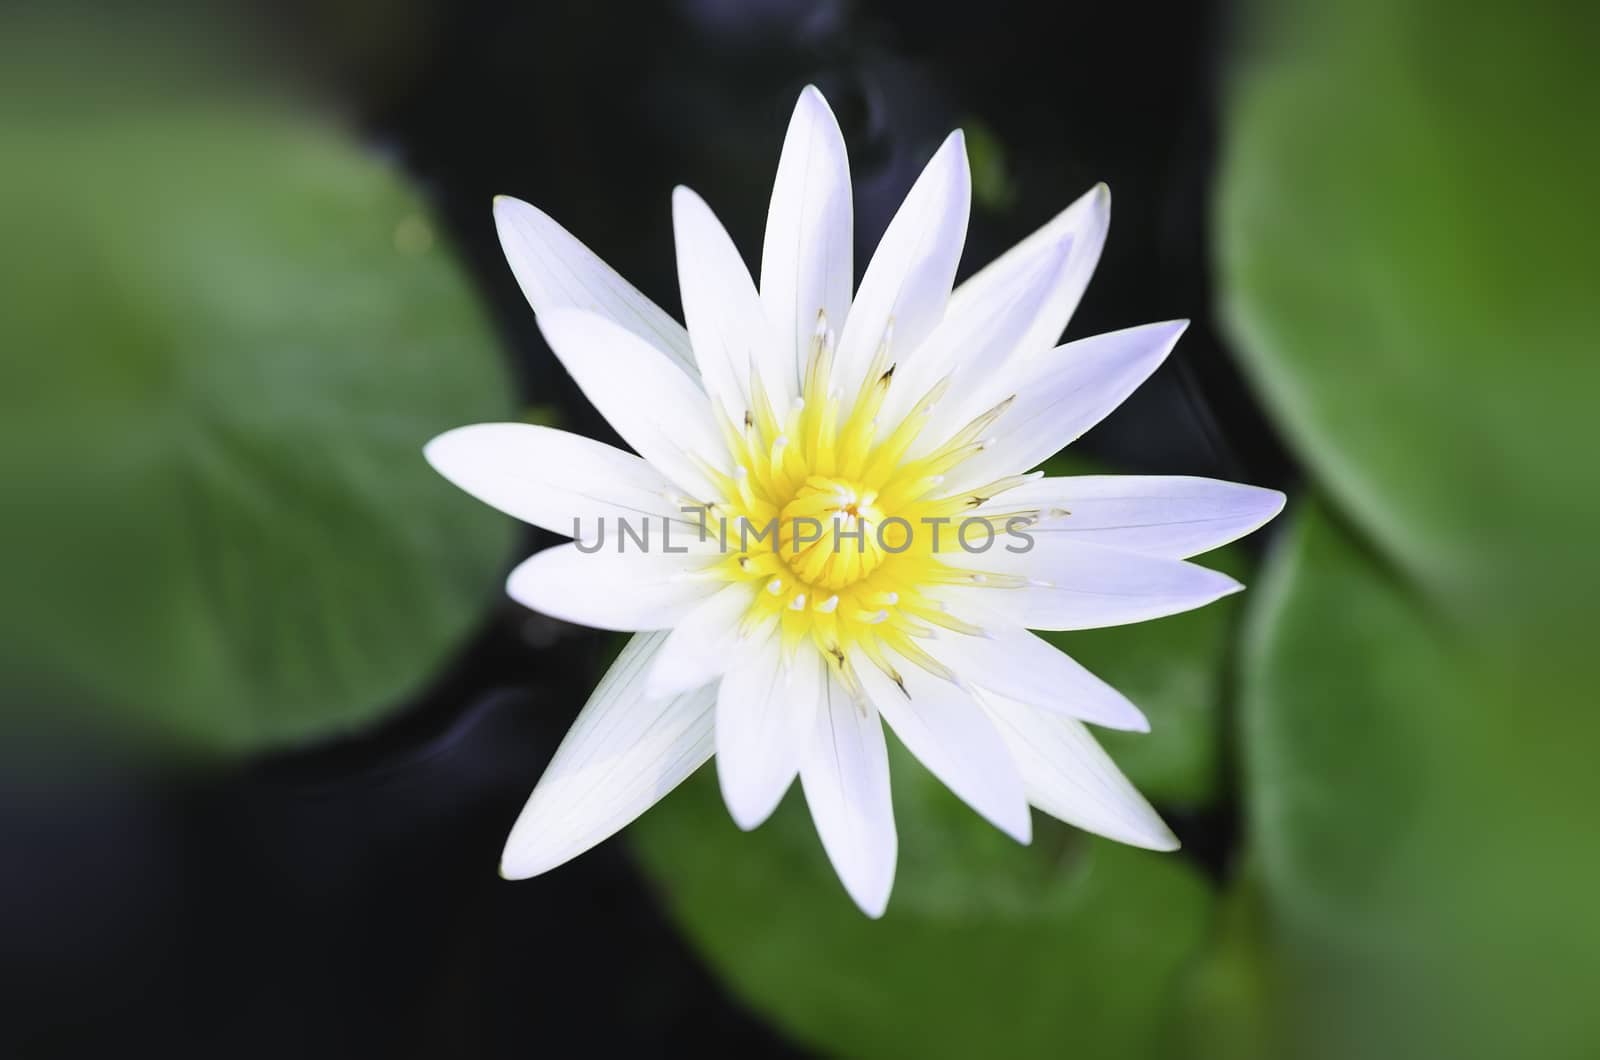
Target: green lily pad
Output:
[
  {"x": 1425, "y": 865},
  {"x": 1405, "y": 268},
  {"x": 229, "y": 333},
  {"x": 1071, "y": 945},
  {"x": 1402, "y": 266}
]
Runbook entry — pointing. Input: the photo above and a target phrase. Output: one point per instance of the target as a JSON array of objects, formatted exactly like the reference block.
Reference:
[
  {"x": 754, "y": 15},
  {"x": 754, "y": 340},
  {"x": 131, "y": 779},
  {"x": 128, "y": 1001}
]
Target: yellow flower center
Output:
[
  {"x": 839, "y": 528},
  {"x": 829, "y": 534}
]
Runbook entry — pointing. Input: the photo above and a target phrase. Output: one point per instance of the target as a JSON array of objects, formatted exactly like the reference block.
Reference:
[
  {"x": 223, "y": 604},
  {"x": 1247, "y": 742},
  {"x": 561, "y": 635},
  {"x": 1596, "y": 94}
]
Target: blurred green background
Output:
[{"x": 267, "y": 715}]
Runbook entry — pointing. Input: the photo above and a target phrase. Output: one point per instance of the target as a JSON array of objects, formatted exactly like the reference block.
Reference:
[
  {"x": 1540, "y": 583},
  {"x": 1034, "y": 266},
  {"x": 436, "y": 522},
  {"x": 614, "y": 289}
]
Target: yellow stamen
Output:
[{"x": 830, "y": 515}]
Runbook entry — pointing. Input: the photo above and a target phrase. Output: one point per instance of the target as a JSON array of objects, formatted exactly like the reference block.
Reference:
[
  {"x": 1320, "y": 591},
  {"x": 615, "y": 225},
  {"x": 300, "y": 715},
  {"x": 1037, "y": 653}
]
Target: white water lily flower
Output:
[{"x": 879, "y": 419}]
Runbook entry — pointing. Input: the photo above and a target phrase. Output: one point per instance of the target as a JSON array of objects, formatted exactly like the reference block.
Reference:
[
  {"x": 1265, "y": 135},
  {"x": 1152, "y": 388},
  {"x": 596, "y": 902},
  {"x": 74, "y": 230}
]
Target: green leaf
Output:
[
  {"x": 1411, "y": 285},
  {"x": 1404, "y": 270},
  {"x": 228, "y": 336},
  {"x": 1069, "y": 946},
  {"x": 1223, "y": 1010},
  {"x": 1426, "y": 866}
]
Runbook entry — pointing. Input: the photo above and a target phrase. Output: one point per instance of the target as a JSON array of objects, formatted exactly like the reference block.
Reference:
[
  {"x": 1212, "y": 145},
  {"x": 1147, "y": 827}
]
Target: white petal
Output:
[
  {"x": 845, "y": 775},
  {"x": 1084, "y": 224},
  {"x": 945, "y": 728},
  {"x": 628, "y": 590},
  {"x": 1065, "y": 392},
  {"x": 727, "y": 326},
  {"x": 555, "y": 271},
  {"x": 1162, "y": 515},
  {"x": 622, "y": 754},
  {"x": 806, "y": 257},
  {"x": 1025, "y": 667},
  {"x": 1078, "y": 586},
  {"x": 1070, "y": 777},
  {"x": 976, "y": 351},
  {"x": 766, "y": 713},
  {"x": 908, "y": 280},
  {"x": 654, "y": 407},
  {"x": 558, "y": 480},
  {"x": 1015, "y": 309},
  {"x": 705, "y": 642}
]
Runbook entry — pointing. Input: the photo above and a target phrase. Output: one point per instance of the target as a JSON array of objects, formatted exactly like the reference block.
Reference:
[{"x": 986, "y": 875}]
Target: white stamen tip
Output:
[
  {"x": 881, "y": 616},
  {"x": 829, "y": 605},
  {"x": 980, "y": 578},
  {"x": 892, "y": 599},
  {"x": 775, "y": 586},
  {"x": 798, "y": 603},
  {"x": 778, "y": 443},
  {"x": 799, "y": 404},
  {"x": 742, "y": 472}
]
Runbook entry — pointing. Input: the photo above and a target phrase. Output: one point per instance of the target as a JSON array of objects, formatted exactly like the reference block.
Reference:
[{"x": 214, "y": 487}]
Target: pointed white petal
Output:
[
  {"x": 555, "y": 271},
  {"x": 558, "y": 480},
  {"x": 1080, "y": 586},
  {"x": 1162, "y": 515},
  {"x": 727, "y": 326},
  {"x": 908, "y": 280},
  {"x": 654, "y": 407},
  {"x": 1070, "y": 777},
  {"x": 766, "y": 713},
  {"x": 705, "y": 642},
  {"x": 945, "y": 728},
  {"x": 607, "y": 589},
  {"x": 845, "y": 775},
  {"x": 806, "y": 257},
  {"x": 1065, "y": 392},
  {"x": 1083, "y": 224},
  {"x": 1025, "y": 667},
  {"x": 622, "y": 754},
  {"x": 976, "y": 352}
]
